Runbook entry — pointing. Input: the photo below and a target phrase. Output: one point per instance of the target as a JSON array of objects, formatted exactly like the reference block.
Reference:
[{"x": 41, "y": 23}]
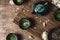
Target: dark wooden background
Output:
[
  {"x": 11, "y": 14},
  {"x": 26, "y": 12}
]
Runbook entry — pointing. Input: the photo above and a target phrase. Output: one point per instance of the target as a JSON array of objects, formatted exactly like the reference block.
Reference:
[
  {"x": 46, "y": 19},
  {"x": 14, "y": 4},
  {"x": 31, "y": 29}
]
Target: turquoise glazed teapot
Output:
[{"x": 41, "y": 8}]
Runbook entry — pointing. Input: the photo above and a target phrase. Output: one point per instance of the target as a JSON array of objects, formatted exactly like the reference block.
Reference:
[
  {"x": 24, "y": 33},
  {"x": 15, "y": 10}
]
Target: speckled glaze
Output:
[
  {"x": 24, "y": 23},
  {"x": 57, "y": 15},
  {"x": 54, "y": 34},
  {"x": 18, "y": 2},
  {"x": 12, "y": 36},
  {"x": 41, "y": 8}
]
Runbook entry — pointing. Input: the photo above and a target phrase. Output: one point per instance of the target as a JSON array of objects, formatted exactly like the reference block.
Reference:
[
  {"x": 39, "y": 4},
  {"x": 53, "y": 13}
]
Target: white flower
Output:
[
  {"x": 56, "y": 3},
  {"x": 44, "y": 35}
]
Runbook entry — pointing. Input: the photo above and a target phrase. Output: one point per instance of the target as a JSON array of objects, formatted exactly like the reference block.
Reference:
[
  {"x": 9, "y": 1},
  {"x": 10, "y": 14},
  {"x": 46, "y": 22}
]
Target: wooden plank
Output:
[{"x": 26, "y": 12}]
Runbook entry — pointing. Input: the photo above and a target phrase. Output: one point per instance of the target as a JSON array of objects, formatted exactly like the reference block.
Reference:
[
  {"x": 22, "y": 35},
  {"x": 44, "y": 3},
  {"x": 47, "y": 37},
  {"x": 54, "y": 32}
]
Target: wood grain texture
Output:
[
  {"x": 9, "y": 15},
  {"x": 28, "y": 14}
]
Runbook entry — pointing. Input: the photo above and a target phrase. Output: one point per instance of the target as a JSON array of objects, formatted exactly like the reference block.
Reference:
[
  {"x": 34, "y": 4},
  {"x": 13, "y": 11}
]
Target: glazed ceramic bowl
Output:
[
  {"x": 18, "y": 2},
  {"x": 24, "y": 23},
  {"x": 57, "y": 15},
  {"x": 41, "y": 8},
  {"x": 12, "y": 36},
  {"x": 54, "y": 34}
]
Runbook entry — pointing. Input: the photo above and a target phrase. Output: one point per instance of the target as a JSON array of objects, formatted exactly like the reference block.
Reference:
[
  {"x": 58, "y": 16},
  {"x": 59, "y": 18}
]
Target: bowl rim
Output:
[
  {"x": 10, "y": 35},
  {"x": 20, "y": 23}
]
